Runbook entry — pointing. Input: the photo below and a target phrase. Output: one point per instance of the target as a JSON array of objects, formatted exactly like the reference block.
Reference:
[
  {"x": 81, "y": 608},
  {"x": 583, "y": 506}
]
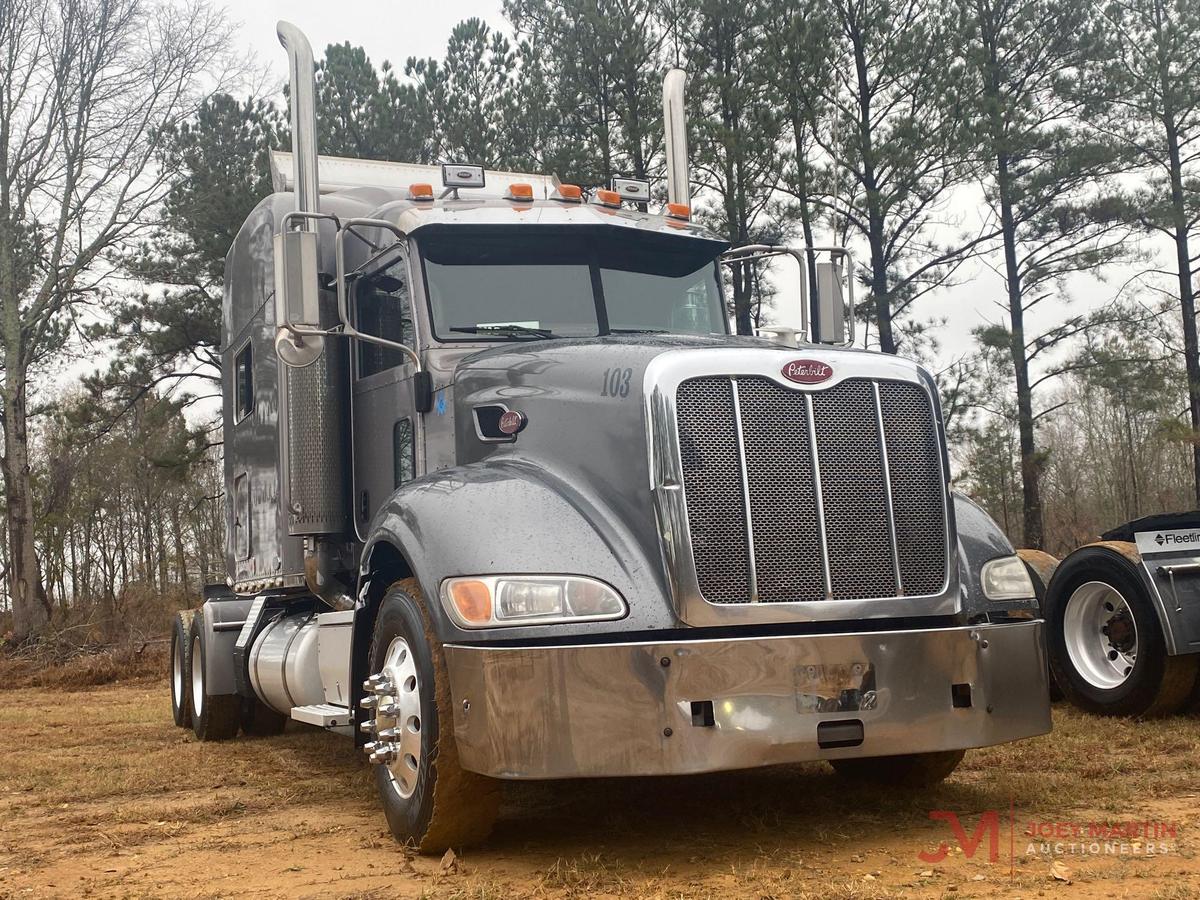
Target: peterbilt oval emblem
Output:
[
  {"x": 807, "y": 371},
  {"x": 511, "y": 422}
]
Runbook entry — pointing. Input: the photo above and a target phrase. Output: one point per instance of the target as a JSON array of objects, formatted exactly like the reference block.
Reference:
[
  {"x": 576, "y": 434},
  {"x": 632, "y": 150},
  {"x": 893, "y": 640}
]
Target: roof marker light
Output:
[
  {"x": 569, "y": 193},
  {"x": 420, "y": 192},
  {"x": 679, "y": 211},
  {"x": 608, "y": 198},
  {"x": 520, "y": 192}
]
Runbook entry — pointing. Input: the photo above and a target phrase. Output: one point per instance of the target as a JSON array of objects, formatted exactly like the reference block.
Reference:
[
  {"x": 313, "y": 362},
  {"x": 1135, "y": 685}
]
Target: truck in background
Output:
[{"x": 506, "y": 500}]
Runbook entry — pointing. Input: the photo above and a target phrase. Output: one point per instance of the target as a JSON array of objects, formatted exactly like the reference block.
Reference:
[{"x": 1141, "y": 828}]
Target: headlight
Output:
[
  {"x": 494, "y": 601},
  {"x": 1006, "y": 579}
]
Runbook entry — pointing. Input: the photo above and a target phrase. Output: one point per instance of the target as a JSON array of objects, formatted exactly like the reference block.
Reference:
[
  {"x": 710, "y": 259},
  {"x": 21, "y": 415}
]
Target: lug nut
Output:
[
  {"x": 369, "y": 747},
  {"x": 390, "y": 709},
  {"x": 367, "y": 727},
  {"x": 369, "y": 702},
  {"x": 389, "y": 734},
  {"x": 384, "y": 754},
  {"x": 382, "y": 687}
]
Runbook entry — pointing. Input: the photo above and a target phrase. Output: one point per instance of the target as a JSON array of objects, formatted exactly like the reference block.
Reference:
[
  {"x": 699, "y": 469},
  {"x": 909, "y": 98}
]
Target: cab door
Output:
[{"x": 388, "y": 449}]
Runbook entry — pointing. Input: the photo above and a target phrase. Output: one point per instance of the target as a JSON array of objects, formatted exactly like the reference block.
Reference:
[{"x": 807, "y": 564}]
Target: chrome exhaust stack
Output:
[
  {"x": 675, "y": 127},
  {"x": 302, "y": 90}
]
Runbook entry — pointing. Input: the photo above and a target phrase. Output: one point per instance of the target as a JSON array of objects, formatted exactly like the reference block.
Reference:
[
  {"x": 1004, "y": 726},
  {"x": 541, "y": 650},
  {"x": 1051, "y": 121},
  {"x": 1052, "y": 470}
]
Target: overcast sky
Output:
[{"x": 387, "y": 30}]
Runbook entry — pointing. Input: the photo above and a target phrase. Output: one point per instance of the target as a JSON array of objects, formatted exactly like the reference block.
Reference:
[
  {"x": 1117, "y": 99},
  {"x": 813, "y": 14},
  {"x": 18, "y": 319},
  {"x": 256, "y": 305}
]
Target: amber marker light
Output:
[
  {"x": 420, "y": 192},
  {"x": 679, "y": 211},
  {"x": 608, "y": 198},
  {"x": 473, "y": 600},
  {"x": 569, "y": 193},
  {"x": 521, "y": 192}
]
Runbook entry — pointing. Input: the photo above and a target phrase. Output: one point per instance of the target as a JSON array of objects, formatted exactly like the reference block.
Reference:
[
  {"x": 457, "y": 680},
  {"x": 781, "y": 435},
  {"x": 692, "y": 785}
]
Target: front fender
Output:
[
  {"x": 980, "y": 540},
  {"x": 511, "y": 516}
]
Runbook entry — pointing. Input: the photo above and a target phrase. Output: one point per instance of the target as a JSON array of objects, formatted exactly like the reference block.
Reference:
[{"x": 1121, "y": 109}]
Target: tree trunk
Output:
[
  {"x": 1031, "y": 494},
  {"x": 31, "y": 611},
  {"x": 1187, "y": 295}
]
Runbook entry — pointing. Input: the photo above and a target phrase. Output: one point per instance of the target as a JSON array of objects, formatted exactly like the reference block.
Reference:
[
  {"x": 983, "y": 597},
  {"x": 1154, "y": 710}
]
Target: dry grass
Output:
[
  {"x": 99, "y": 790},
  {"x": 70, "y": 667}
]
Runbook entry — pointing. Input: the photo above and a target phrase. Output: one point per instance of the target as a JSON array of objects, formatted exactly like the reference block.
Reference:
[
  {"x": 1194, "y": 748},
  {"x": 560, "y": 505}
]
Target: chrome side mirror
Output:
[{"x": 827, "y": 318}]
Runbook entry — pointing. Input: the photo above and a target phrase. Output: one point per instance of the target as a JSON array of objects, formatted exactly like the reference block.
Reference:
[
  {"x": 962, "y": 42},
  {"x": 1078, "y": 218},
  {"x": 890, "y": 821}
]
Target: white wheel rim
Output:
[
  {"x": 177, "y": 676},
  {"x": 1101, "y": 635},
  {"x": 400, "y": 671},
  {"x": 197, "y": 680}
]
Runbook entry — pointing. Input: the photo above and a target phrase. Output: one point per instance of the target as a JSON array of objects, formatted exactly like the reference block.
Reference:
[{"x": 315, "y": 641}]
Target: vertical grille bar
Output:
[
  {"x": 752, "y": 562},
  {"x": 887, "y": 488},
  {"x": 818, "y": 496}
]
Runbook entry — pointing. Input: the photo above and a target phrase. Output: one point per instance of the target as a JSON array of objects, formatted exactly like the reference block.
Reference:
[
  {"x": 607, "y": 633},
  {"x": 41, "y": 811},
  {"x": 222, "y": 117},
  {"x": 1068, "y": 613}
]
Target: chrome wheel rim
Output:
[
  {"x": 197, "y": 680},
  {"x": 1101, "y": 635},
  {"x": 398, "y": 718},
  {"x": 177, "y": 675}
]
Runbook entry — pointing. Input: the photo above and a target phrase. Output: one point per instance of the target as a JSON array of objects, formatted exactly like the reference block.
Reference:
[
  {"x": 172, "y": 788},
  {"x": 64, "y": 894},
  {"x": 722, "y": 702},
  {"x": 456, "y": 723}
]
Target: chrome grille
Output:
[{"x": 778, "y": 481}]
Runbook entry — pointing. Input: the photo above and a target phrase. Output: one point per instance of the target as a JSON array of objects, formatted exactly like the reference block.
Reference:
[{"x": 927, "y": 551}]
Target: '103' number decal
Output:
[{"x": 616, "y": 383}]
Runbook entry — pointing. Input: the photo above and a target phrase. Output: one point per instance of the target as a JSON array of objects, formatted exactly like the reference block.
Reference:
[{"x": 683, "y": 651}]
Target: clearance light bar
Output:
[
  {"x": 634, "y": 189},
  {"x": 495, "y": 601},
  {"x": 420, "y": 192}
]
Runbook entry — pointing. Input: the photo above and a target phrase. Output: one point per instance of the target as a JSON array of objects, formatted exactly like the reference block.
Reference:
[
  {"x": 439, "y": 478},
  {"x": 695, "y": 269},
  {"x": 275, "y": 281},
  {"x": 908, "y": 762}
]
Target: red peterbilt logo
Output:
[{"x": 807, "y": 371}]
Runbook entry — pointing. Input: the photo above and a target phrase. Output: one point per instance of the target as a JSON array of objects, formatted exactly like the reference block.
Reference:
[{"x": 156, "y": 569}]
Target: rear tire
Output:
[
  {"x": 181, "y": 667},
  {"x": 1105, "y": 641},
  {"x": 430, "y": 801},
  {"x": 912, "y": 770},
  {"x": 214, "y": 718}
]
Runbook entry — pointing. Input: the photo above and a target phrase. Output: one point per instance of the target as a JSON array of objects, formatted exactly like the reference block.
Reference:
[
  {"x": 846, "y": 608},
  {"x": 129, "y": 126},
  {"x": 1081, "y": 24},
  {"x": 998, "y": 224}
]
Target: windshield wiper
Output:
[
  {"x": 515, "y": 332},
  {"x": 637, "y": 331}
]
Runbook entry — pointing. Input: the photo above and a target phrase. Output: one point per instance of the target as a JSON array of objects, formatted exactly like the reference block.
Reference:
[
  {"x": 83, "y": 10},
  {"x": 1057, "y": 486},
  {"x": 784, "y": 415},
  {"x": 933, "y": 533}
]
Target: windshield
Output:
[{"x": 528, "y": 284}]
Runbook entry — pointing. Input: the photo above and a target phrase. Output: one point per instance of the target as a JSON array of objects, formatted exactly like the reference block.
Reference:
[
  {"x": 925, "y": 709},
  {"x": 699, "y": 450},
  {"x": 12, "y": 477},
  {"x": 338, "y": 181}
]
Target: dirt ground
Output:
[{"x": 100, "y": 796}]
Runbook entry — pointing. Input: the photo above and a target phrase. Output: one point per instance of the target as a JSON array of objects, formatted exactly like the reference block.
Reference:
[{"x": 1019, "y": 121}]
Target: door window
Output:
[{"x": 382, "y": 308}]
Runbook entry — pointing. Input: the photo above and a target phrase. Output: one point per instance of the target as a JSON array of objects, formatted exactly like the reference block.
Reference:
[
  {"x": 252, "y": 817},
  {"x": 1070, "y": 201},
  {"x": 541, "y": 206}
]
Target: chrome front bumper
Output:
[{"x": 644, "y": 709}]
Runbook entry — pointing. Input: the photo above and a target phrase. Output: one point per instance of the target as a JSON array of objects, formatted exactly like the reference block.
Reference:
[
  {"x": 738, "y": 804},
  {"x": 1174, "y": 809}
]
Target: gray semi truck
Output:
[{"x": 507, "y": 500}]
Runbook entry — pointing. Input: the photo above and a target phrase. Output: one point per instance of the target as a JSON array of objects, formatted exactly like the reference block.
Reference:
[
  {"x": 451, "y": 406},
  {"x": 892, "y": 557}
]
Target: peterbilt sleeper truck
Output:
[{"x": 507, "y": 500}]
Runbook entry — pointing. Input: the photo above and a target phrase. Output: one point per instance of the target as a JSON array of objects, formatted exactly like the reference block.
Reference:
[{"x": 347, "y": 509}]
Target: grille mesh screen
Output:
[
  {"x": 782, "y": 484},
  {"x": 716, "y": 515}
]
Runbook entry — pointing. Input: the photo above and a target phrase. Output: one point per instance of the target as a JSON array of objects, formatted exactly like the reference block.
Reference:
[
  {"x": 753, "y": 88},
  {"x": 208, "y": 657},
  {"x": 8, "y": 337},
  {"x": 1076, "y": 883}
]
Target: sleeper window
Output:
[{"x": 244, "y": 382}]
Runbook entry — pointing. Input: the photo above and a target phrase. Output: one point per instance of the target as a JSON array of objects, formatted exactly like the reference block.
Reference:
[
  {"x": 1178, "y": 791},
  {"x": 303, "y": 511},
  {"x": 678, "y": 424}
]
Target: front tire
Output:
[
  {"x": 430, "y": 801},
  {"x": 181, "y": 667},
  {"x": 1106, "y": 645},
  {"x": 214, "y": 717},
  {"x": 912, "y": 770}
]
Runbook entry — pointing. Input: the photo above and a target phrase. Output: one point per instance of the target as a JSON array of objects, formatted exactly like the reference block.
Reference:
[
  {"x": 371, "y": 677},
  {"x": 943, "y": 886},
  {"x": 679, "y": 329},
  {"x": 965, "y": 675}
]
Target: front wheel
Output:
[
  {"x": 910, "y": 770},
  {"x": 430, "y": 801},
  {"x": 1106, "y": 645}
]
